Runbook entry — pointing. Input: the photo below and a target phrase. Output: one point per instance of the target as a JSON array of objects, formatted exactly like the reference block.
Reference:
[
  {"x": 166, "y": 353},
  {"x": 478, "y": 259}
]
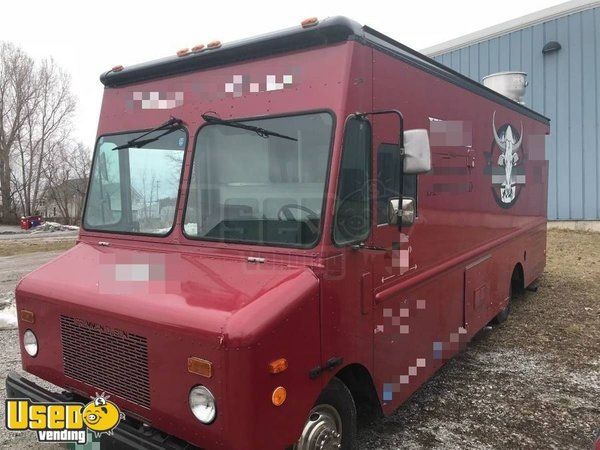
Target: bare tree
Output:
[
  {"x": 47, "y": 126},
  {"x": 147, "y": 195},
  {"x": 18, "y": 87},
  {"x": 67, "y": 174}
]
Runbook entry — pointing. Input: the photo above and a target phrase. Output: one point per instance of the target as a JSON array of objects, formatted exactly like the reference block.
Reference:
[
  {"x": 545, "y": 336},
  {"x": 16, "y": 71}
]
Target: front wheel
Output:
[{"x": 331, "y": 423}]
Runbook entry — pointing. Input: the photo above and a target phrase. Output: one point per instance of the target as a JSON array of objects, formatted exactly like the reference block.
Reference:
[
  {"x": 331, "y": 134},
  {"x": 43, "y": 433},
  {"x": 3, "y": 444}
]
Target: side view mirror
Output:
[
  {"x": 406, "y": 215},
  {"x": 417, "y": 152}
]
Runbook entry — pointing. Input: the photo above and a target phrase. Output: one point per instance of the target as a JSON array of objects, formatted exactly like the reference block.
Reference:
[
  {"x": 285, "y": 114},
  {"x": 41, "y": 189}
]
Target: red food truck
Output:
[{"x": 281, "y": 230}]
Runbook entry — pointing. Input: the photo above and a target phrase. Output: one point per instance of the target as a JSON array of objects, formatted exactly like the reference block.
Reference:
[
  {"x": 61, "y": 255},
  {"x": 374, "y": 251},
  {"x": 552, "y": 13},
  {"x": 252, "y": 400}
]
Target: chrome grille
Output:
[{"x": 107, "y": 359}]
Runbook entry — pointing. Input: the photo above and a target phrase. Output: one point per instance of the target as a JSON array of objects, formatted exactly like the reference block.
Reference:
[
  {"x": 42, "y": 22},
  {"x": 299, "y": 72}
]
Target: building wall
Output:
[{"x": 563, "y": 85}]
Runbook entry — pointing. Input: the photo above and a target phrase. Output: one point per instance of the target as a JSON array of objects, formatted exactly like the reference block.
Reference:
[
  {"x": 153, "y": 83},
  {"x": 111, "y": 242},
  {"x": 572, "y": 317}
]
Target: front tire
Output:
[{"x": 331, "y": 423}]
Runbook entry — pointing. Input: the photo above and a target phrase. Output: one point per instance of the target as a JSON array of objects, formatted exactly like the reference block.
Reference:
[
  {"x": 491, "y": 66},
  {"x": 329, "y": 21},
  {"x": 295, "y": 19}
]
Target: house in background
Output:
[
  {"x": 559, "y": 49},
  {"x": 64, "y": 203}
]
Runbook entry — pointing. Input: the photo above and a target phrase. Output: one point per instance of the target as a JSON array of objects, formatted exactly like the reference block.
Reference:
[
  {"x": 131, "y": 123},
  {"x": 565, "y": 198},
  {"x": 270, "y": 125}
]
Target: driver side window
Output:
[
  {"x": 105, "y": 193},
  {"x": 352, "y": 221}
]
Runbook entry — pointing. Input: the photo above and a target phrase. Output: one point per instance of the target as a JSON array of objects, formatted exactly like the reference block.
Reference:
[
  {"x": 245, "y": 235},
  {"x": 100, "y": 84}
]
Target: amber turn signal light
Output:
[
  {"x": 200, "y": 367},
  {"x": 27, "y": 316},
  {"x": 279, "y": 396},
  {"x": 278, "y": 366},
  {"x": 310, "y": 22}
]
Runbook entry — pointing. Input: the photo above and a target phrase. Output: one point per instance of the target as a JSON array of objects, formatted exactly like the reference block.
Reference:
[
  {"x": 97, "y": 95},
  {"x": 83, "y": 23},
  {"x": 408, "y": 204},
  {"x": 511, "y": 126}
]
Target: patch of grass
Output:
[{"x": 20, "y": 247}]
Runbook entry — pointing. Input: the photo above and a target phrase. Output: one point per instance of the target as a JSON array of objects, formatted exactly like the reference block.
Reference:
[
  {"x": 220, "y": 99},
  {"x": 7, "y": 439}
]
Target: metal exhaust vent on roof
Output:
[{"x": 509, "y": 84}]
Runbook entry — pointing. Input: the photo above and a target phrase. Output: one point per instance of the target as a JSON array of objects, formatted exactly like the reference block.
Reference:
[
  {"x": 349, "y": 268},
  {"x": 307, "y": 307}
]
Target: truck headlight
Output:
[
  {"x": 202, "y": 404},
  {"x": 30, "y": 343}
]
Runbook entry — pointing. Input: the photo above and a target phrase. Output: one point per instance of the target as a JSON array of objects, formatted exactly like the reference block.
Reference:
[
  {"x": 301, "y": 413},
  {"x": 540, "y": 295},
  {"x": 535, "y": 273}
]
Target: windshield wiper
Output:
[
  {"x": 170, "y": 125},
  {"x": 258, "y": 130}
]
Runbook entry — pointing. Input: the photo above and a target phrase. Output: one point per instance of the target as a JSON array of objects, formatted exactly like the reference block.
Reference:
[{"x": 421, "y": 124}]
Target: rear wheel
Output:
[
  {"x": 503, "y": 315},
  {"x": 331, "y": 423}
]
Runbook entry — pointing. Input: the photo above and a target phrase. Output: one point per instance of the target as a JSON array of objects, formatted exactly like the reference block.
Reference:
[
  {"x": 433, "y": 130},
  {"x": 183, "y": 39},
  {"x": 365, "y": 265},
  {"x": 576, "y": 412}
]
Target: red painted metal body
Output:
[{"x": 307, "y": 305}]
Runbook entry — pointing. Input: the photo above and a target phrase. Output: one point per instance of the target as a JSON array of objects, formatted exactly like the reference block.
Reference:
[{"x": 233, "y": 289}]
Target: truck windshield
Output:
[
  {"x": 134, "y": 190},
  {"x": 260, "y": 190}
]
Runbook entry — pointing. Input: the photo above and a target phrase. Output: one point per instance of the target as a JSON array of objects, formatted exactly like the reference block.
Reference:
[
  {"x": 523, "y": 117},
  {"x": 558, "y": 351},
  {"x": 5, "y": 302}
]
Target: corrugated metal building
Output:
[{"x": 559, "y": 49}]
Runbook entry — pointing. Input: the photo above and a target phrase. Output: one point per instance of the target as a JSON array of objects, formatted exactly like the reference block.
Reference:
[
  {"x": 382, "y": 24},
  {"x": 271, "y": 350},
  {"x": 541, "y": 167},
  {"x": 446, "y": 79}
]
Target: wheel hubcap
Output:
[{"x": 322, "y": 431}]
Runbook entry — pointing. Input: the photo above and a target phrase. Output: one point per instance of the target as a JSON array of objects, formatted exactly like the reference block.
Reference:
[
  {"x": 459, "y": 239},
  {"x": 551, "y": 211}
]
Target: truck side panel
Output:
[{"x": 472, "y": 230}]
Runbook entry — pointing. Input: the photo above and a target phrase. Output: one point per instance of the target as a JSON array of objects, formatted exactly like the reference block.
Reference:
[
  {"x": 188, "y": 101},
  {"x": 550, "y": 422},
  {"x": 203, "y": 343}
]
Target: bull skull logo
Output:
[{"x": 509, "y": 157}]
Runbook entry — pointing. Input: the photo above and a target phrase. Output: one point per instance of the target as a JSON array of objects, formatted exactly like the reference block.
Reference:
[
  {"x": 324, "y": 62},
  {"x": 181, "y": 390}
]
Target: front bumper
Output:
[{"x": 129, "y": 434}]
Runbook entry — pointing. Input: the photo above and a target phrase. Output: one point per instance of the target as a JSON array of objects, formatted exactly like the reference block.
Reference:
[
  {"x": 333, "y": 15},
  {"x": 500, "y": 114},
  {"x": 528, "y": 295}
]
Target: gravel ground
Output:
[
  {"x": 533, "y": 382},
  {"x": 33, "y": 253},
  {"x": 27, "y": 235}
]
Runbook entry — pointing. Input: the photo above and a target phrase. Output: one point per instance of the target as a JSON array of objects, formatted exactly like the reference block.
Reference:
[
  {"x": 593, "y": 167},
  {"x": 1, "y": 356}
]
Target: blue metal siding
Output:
[{"x": 563, "y": 85}]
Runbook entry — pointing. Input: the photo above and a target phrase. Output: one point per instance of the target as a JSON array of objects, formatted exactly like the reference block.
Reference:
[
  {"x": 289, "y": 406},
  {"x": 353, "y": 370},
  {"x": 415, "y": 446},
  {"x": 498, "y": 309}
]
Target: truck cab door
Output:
[
  {"x": 394, "y": 258},
  {"x": 404, "y": 322},
  {"x": 347, "y": 293}
]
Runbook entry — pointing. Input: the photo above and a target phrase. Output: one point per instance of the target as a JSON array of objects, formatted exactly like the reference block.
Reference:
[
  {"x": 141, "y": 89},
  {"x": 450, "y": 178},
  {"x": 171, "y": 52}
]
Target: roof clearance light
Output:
[
  {"x": 310, "y": 22},
  {"x": 278, "y": 366},
  {"x": 213, "y": 45},
  {"x": 183, "y": 52},
  {"x": 198, "y": 48},
  {"x": 117, "y": 68}
]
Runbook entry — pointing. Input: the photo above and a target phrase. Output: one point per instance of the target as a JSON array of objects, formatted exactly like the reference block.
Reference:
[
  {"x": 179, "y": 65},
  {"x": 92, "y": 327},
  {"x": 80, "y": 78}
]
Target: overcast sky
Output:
[{"x": 89, "y": 37}]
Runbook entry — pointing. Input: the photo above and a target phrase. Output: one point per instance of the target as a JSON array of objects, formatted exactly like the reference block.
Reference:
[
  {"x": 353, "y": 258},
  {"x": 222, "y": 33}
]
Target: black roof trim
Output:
[
  {"x": 327, "y": 31},
  {"x": 388, "y": 45}
]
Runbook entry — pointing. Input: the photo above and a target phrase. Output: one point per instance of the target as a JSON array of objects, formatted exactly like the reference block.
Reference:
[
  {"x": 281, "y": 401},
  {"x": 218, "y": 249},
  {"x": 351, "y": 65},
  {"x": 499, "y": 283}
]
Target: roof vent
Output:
[{"x": 509, "y": 84}]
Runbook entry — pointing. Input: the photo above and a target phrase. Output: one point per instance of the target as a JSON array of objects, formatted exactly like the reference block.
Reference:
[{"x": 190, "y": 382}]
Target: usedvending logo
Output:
[
  {"x": 506, "y": 163},
  {"x": 64, "y": 422}
]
